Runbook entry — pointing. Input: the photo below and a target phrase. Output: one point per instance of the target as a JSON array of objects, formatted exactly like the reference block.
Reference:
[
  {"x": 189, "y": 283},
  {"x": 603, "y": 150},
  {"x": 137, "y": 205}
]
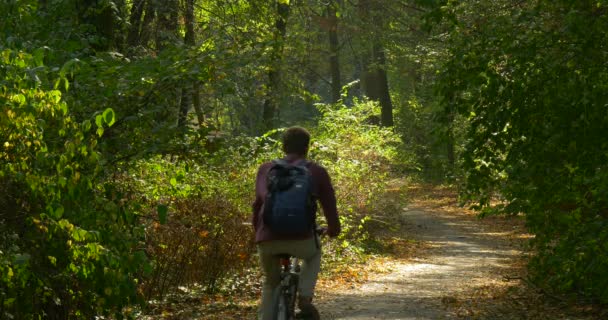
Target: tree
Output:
[
  {"x": 334, "y": 51},
  {"x": 137, "y": 11},
  {"x": 526, "y": 77},
  {"x": 274, "y": 72},
  {"x": 375, "y": 79}
]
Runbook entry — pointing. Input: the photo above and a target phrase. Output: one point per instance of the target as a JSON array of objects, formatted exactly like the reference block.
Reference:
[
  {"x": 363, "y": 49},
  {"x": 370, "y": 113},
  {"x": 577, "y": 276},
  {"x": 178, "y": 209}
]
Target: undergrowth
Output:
[{"x": 198, "y": 211}]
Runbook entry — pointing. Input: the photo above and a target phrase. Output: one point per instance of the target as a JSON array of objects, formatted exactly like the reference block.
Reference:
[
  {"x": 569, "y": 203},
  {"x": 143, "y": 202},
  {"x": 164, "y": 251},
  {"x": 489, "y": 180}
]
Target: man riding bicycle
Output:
[{"x": 272, "y": 242}]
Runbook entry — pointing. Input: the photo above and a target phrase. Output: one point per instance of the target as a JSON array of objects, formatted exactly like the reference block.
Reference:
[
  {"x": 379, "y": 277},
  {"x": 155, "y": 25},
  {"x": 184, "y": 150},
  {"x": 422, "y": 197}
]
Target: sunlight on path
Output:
[{"x": 461, "y": 257}]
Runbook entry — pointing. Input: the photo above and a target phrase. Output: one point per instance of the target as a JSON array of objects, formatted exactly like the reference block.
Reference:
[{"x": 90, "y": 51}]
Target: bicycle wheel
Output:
[
  {"x": 281, "y": 305},
  {"x": 293, "y": 292}
]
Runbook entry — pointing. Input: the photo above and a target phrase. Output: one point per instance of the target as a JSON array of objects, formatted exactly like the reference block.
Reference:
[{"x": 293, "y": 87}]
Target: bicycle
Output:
[{"x": 285, "y": 295}]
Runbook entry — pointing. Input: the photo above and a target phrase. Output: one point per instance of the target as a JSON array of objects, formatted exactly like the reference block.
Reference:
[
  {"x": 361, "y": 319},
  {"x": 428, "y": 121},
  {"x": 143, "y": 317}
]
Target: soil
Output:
[{"x": 462, "y": 268}]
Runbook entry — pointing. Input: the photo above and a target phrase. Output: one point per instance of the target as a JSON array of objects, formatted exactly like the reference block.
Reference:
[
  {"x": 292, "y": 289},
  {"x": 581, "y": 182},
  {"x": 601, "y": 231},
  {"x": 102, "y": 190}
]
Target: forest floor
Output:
[
  {"x": 440, "y": 262},
  {"x": 447, "y": 263}
]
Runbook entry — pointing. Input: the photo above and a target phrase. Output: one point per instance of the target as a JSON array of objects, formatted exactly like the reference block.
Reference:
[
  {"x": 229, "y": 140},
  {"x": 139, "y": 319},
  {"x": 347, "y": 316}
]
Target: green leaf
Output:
[
  {"x": 99, "y": 121},
  {"x": 19, "y": 98},
  {"x": 79, "y": 234},
  {"x": 58, "y": 213},
  {"x": 162, "y": 213},
  {"x": 173, "y": 182},
  {"x": 64, "y": 108},
  {"x": 39, "y": 56},
  {"x": 109, "y": 116},
  {"x": 86, "y": 125}
]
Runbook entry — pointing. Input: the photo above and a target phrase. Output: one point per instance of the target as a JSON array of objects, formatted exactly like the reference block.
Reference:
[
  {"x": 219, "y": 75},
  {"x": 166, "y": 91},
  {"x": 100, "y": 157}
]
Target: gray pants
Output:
[{"x": 304, "y": 249}]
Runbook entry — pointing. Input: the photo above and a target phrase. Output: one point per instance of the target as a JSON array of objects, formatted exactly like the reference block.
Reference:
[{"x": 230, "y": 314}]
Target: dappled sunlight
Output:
[{"x": 456, "y": 253}]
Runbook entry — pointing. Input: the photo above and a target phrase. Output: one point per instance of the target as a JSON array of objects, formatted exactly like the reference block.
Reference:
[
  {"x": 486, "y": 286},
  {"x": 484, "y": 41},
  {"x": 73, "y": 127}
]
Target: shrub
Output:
[{"x": 69, "y": 240}]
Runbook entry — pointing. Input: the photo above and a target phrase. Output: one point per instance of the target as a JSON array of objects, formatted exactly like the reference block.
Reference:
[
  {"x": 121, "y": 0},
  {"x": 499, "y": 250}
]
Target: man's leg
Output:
[
  {"x": 308, "y": 279},
  {"x": 272, "y": 276},
  {"x": 310, "y": 268},
  {"x": 304, "y": 249}
]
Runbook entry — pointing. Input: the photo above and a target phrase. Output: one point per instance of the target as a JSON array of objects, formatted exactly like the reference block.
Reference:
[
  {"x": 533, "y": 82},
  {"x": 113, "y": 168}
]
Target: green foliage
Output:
[
  {"x": 68, "y": 246},
  {"x": 196, "y": 234},
  {"x": 359, "y": 157},
  {"x": 528, "y": 77},
  {"x": 195, "y": 229}
]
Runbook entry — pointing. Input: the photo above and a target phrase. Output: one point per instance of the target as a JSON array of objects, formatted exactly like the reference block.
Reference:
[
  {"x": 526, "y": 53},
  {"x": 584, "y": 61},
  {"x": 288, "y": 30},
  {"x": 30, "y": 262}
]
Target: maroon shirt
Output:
[{"x": 323, "y": 191}]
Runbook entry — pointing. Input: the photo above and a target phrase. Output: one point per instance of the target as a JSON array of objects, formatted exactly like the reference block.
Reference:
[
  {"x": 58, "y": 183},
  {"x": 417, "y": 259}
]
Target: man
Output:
[{"x": 296, "y": 142}]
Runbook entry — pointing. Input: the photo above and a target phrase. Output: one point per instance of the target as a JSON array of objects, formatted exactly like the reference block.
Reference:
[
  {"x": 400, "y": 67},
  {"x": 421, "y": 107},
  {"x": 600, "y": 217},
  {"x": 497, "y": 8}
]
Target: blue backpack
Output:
[{"x": 289, "y": 208}]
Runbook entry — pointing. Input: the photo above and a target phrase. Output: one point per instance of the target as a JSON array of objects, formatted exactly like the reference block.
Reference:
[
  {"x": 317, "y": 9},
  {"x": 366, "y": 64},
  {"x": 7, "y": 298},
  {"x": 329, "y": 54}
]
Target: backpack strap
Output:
[
  {"x": 299, "y": 162},
  {"x": 281, "y": 162}
]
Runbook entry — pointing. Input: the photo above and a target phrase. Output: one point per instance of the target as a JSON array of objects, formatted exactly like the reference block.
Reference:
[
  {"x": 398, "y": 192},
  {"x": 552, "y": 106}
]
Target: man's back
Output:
[{"x": 323, "y": 191}]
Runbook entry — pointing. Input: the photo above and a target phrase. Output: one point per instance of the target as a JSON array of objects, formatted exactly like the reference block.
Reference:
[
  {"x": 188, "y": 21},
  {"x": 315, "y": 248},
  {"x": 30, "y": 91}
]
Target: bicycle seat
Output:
[{"x": 283, "y": 255}]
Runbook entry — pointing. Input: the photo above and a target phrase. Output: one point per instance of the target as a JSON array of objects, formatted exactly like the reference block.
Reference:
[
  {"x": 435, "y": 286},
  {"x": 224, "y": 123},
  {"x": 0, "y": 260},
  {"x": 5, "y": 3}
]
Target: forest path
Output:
[
  {"x": 463, "y": 262},
  {"x": 459, "y": 257}
]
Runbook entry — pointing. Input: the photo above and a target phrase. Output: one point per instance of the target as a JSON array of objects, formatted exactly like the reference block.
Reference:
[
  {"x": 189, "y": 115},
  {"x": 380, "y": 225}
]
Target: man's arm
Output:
[
  {"x": 260, "y": 193},
  {"x": 327, "y": 198}
]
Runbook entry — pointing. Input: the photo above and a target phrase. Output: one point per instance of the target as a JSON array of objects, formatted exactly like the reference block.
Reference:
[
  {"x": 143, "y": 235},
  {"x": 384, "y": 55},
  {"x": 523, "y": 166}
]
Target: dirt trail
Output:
[
  {"x": 444, "y": 264},
  {"x": 461, "y": 257}
]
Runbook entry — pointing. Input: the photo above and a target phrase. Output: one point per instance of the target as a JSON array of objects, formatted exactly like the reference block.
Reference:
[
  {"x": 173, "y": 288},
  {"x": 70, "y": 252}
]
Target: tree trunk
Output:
[
  {"x": 146, "y": 27},
  {"x": 137, "y": 11},
  {"x": 184, "y": 107},
  {"x": 196, "y": 101},
  {"x": 375, "y": 80},
  {"x": 274, "y": 75},
  {"x": 334, "y": 62},
  {"x": 167, "y": 23},
  {"x": 187, "y": 91},
  {"x": 450, "y": 138},
  {"x": 102, "y": 18},
  {"x": 384, "y": 95}
]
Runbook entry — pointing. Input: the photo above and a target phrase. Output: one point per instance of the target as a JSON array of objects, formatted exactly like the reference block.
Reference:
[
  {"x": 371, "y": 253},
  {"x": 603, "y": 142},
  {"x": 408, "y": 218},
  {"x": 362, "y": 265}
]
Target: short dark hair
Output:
[{"x": 296, "y": 140}]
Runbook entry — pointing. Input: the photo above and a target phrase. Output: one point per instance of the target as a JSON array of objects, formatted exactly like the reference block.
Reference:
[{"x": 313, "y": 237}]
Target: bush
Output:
[
  {"x": 205, "y": 242},
  {"x": 359, "y": 157},
  {"x": 69, "y": 238},
  {"x": 535, "y": 99}
]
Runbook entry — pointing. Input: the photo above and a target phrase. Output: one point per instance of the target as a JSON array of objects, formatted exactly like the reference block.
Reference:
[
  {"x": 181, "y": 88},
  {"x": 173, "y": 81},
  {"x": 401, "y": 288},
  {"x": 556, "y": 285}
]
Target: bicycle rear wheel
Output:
[{"x": 281, "y": 305}]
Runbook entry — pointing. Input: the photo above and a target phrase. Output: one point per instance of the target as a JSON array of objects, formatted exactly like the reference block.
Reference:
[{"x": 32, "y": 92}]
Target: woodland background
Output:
[{"x": 130, "y": 131}]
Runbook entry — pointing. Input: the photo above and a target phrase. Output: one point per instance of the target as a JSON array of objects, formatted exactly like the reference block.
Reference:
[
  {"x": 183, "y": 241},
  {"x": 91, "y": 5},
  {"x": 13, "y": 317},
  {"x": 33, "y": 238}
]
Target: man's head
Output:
[{"x": 295, "y": 141}]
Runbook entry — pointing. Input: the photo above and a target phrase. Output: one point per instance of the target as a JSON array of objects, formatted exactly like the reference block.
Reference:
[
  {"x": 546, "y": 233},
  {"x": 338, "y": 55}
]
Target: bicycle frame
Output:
[{"x": 286, "y": 295}]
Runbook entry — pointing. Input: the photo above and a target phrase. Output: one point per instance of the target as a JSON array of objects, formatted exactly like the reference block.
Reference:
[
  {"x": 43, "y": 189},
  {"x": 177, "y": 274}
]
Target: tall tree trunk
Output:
[
  {"x": 184, "y": 106},
  {"x": 137, "y": 11},
  {"x": 101, "y": 17},
  {"x": 384, "y": 95},
  {"x": 450, "y": 137},
  {"x": 187, "y": 97},
  {"x": 146, "y": 27},
  {"x": 274, "y": 74},
  {"x": 334, "y": 62},
  {"x": 166, "y": 30},
  {"x": 189, "y": 39},
  {"x": 196, "y": 101},
  {"x": 375, "y": 79}
]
